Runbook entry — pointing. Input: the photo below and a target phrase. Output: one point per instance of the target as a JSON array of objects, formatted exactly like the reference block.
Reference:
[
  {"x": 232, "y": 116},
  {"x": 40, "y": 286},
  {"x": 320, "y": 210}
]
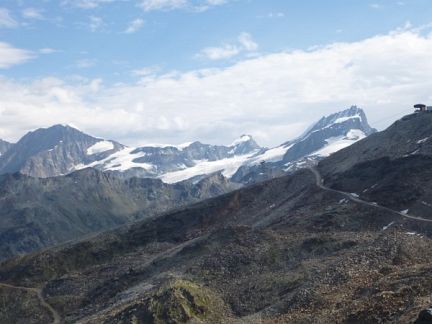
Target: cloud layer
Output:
[
  {"x": 10, "y": 55},
  {"x": 244, "y": 43},
  {"x": 6, "y": 19},
  {"x": 273, "y": 97}
]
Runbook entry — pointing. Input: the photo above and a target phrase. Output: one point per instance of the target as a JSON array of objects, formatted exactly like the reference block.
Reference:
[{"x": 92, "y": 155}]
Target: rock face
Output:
[
  {"x": 4, "y": 146},
  {"x": 280, "y": 251},
  {"x": 52, "y": 151},
  {"x": 37, "y": 213}
]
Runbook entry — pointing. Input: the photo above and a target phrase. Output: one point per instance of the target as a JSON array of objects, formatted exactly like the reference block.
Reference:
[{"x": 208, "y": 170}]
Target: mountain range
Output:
[
  {"x": 62, "y": 149},
  {"x": 344, "y": 240},
  {"x": 59, "y": 184}
]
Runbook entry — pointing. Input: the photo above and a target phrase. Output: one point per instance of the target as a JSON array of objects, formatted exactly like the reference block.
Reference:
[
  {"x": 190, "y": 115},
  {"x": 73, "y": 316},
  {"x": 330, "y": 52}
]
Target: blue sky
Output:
[
  {"x": 102, "y": 57},
  {"x": 91, "y": 37}
]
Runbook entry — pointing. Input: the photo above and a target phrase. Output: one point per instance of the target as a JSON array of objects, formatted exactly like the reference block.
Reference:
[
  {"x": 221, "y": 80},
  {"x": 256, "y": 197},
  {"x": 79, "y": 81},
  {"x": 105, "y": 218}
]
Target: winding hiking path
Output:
[
  {"x": 38, "y": 291},
  {"x": 350, "y": 196}
]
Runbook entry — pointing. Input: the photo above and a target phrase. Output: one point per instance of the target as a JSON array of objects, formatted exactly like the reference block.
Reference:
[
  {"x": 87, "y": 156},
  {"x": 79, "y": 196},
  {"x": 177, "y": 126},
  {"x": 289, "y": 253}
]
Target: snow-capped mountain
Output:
[
  {"x": 54, "y": 151},
  {"x": 329, "y": 135},
  {"x": 177, "y": 163},
  {"x": 60, "y": 149}
]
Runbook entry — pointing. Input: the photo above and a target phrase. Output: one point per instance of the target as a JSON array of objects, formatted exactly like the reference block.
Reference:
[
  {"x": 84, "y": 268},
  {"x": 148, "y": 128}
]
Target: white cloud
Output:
[
  {"x": 6, "y": 20},
  {"x": 146, "y": 71},
  {"x": 273, "y": 97},
  {"x": 87, "y": 4},
  {"x": 244, "y": 42},
  {"x": 96, "y": 23},
  {"x": 32, "y": 13},
  {"x": 197, "y": 5},
  {"x": 85, "y": 63},
  {"x": 274, "y": 15},
  {"x": 149, "y": 5},
  {"x": 247, "y": 42},
  {"x": 134, "y": 26},
  {"x": 219, "y": 53},
  {"x": 48, "y": 50},
  {"x": 10, "y": 56}
]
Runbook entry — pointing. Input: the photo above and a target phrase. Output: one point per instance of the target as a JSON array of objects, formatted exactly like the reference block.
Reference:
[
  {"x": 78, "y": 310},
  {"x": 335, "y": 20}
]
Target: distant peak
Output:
[
  {"x": 350, "y": 118},
  {"x": 245, "y": 144},
  {"x": 242, "y": 139},
  {"x": 65, "y": 126}
]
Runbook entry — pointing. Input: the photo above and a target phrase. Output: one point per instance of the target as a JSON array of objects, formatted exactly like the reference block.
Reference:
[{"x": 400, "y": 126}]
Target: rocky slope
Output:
[
  {"x": 37, "y": 213},
  {"x": 4, "y": 146},
  {"x": 280, "y": 251}
]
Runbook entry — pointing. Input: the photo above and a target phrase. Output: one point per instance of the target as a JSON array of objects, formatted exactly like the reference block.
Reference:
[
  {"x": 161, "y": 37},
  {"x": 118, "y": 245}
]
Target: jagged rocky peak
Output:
[
  {"x": 244, "y": 144},
  {"x": 330, "y": 134},
  {"x": 352, "y": 118},
  {"x": 53, "y": 151}
]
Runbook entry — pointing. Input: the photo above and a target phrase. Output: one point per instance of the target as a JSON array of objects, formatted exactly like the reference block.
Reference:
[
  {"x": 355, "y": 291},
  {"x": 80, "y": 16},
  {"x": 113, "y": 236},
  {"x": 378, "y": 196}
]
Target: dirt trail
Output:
[
  {"x": 350, "y": 196},
  {"x": 38, "y": 291}
]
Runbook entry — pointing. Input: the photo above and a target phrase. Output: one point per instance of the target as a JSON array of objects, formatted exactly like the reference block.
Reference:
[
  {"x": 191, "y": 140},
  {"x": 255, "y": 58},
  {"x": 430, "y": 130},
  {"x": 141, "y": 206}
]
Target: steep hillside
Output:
[
  {"x": 37, "y": 213},
  {"x": 4, "y": 146},
  {"x": 295, "y": 249}
]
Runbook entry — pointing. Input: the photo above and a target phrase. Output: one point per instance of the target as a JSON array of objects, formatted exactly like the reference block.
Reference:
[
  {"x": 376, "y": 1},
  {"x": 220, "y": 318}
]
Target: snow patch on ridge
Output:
[
  {"x": 122, "y": 160},
  {"x": 272, "y": 155},
  {"x": 344, "y": 119},
  {"x": 228, "y": 166},
  {"x": 337, "y": 143},
  {"x": 242, "y": 139},
  {"x": 100, "y": 147}
]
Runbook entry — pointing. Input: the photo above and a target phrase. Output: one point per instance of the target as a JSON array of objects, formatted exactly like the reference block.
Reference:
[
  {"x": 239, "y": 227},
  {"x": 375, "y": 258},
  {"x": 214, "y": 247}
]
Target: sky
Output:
[{"x": 174, "y": 71}]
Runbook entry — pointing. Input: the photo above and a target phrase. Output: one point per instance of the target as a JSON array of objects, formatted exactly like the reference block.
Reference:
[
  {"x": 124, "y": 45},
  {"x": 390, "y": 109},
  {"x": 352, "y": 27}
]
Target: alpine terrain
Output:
[
  {"x": 345, "y": 241},
  {"x": 62, "y": 149},
  {"x": 60, "y": 184}
]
